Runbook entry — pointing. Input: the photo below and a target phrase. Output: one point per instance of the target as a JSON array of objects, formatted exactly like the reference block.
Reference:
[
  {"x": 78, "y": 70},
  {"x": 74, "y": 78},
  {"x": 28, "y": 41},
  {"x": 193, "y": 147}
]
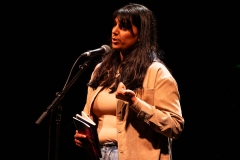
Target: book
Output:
[{"x": 85, "y": 125}]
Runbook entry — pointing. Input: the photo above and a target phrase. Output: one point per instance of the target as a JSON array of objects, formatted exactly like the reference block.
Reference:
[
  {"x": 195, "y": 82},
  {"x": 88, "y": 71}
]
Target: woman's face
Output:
[{"x": 123, "y": 39}]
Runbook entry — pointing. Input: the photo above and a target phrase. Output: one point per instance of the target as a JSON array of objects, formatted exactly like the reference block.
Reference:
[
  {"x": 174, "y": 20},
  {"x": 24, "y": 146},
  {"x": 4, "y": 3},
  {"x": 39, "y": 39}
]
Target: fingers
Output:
[
  {"x": 77, "y": 142},
  {"x": 121, "y": 86},
  {"x": 125, "y": 94},
  {"x": 128, "y": 92},
  {"x": 80, "y": 140},
  {"x": 79, "y": 135},
  {"x": 80, "y": 144}
]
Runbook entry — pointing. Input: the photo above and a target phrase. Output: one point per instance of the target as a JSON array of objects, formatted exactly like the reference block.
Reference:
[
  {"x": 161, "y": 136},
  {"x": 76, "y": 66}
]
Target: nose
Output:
[{"x": 115, "y": 30}]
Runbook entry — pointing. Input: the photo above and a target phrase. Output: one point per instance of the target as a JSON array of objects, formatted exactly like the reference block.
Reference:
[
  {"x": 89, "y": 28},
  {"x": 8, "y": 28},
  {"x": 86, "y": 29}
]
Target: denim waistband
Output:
[{"x": 109, "y": 144}]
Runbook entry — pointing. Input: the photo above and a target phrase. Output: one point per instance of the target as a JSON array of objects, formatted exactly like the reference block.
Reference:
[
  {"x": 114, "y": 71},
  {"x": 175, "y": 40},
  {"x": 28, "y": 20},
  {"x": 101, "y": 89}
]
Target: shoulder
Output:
[
  {"x": 97, "y": 66},
  {"x": 158, "y": 67},
  {"x": 95, "y": 69},
  {"x": 158, "y": 73}
]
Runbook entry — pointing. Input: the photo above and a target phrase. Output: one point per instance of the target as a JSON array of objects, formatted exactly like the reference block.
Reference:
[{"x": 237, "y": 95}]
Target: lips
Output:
[{"x": 114, "y": 40}]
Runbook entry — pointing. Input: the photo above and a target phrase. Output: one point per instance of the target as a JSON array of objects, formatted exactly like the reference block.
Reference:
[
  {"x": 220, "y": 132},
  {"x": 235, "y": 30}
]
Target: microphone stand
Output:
[{"x": 56, "y": 101}]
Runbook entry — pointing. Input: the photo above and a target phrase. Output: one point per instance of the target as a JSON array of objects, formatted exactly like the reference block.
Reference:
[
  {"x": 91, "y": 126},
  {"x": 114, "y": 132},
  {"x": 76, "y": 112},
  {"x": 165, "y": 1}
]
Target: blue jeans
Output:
[{"x": 109, "y": 151}]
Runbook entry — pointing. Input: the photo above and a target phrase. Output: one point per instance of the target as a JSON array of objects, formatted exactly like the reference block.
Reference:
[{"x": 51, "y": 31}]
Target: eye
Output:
[{"x": 123, "y": 27}]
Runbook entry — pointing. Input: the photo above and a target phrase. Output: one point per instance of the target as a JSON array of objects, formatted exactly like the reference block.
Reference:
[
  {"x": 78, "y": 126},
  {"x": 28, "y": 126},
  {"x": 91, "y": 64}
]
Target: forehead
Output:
[
  {"x": 128, "y": 25},
  {"x": 123, "y": 20}
]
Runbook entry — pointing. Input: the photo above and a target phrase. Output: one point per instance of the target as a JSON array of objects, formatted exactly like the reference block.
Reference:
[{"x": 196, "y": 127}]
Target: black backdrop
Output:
[{"x": 40, "y": 41}]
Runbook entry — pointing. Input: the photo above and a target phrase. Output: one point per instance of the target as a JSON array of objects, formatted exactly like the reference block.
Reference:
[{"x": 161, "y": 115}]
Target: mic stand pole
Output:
[
  {"x": 59, "y": 96},
  {"x": 58, "y": 120}
]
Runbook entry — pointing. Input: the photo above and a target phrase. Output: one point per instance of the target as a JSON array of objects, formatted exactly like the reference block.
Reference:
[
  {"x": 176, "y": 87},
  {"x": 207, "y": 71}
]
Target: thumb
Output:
[{"x": 121, "y": 86}]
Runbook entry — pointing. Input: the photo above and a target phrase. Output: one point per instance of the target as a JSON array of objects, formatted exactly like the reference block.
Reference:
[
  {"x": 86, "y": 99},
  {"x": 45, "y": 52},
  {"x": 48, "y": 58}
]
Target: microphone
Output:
[{"x": 95, "y": 52}]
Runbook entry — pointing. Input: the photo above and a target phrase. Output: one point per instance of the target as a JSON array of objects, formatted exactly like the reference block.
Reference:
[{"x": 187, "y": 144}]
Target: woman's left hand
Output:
[{"x": 125, "y": 94}]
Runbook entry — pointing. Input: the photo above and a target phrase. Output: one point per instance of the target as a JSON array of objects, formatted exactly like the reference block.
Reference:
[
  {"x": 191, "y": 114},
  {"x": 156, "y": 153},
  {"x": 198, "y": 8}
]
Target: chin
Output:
[{"x": 115, "y": 47}]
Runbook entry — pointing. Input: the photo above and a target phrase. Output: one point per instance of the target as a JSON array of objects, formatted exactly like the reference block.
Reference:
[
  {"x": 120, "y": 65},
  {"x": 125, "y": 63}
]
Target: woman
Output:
[{"x": 132, "y": 96}]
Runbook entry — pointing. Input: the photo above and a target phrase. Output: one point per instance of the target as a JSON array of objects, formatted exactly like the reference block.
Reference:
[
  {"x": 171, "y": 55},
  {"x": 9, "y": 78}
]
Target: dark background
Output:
[{"x": 41, "y": 40}]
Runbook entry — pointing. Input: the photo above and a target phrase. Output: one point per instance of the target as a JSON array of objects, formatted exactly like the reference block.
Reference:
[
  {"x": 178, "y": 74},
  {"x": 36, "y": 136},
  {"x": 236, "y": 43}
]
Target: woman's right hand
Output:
[{"x": 81, "y": 140}]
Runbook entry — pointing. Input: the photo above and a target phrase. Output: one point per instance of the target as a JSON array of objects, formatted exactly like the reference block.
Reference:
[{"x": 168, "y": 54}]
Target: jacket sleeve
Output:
[{"x": 158, "y": 104}]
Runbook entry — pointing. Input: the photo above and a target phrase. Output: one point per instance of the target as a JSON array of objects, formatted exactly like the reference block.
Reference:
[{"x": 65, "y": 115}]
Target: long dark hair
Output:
[{"x": 134, "y": 66}]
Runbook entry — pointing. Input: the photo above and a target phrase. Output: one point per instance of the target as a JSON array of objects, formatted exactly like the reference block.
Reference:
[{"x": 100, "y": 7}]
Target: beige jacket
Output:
[{"x": 146, "y": 128}]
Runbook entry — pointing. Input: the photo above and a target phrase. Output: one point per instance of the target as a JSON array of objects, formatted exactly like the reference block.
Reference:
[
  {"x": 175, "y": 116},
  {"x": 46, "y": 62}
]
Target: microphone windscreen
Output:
[{"x": 106, "y": 48}]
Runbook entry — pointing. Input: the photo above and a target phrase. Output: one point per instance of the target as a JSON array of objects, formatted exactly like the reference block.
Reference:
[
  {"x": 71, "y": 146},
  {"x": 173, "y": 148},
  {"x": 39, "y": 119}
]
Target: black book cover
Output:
[{"x": 85, "y": 125}]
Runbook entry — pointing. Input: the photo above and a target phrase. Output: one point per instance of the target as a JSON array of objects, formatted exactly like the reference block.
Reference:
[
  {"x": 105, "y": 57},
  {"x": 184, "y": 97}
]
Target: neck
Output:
[{"x": 121, "y": 56}]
